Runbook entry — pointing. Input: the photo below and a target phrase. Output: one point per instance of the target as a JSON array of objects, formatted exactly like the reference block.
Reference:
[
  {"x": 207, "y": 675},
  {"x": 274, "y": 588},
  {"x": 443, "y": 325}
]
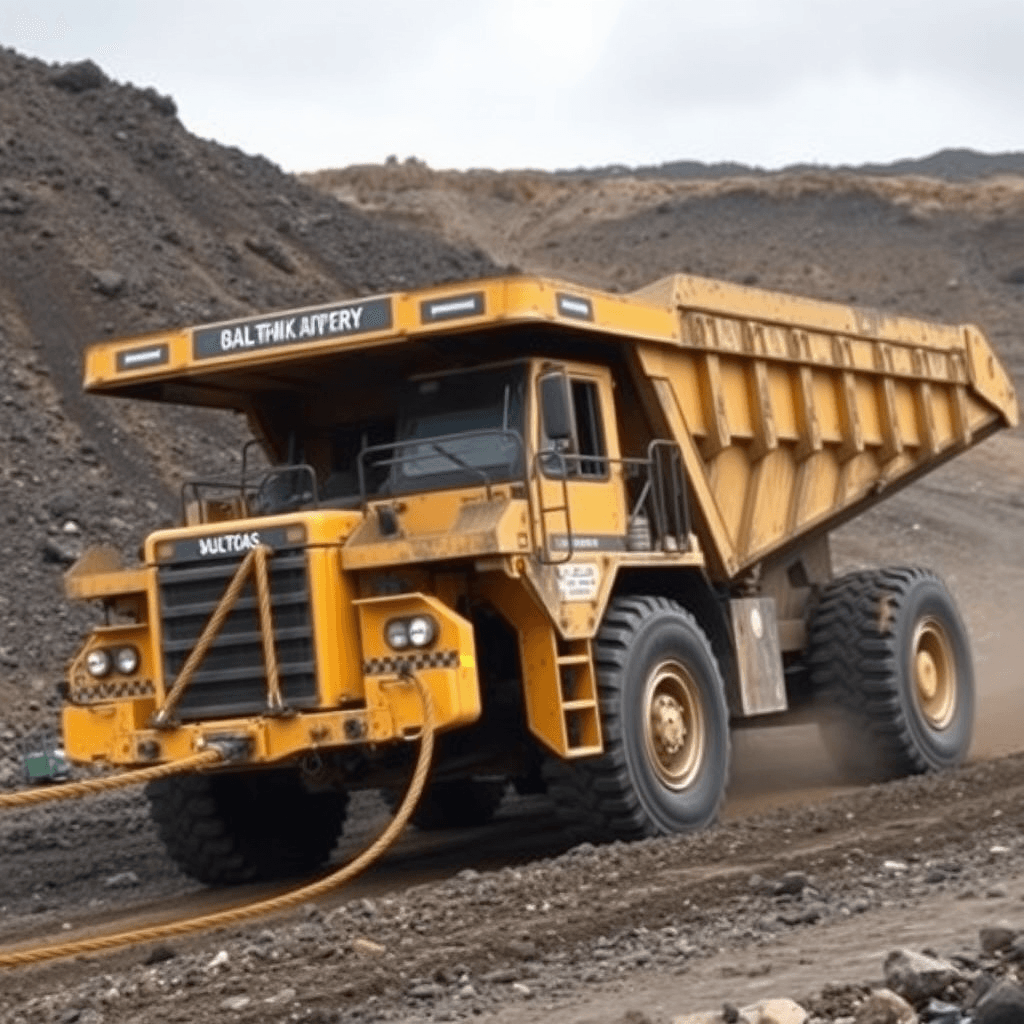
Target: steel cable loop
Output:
[
  {"x": 286, "y": 901},
  {"x": 87, "y": 787},
  {"x": 274, "y": 699}
]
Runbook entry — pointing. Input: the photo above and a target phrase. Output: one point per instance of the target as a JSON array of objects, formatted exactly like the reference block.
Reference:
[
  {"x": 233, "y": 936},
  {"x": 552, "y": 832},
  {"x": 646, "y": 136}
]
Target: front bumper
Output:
[
  {"x": 120, "y": 733},
  {"x": 121, "y": 725}
]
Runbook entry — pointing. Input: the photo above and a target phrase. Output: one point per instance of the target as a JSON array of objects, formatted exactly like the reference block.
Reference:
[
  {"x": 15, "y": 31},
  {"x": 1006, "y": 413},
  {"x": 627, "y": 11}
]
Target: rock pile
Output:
[{"x": 983, "y": 987}]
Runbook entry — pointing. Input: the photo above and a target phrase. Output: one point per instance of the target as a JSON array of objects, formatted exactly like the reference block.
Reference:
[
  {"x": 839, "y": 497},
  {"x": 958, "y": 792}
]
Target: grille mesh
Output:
[{"x": 231, "y": 679}]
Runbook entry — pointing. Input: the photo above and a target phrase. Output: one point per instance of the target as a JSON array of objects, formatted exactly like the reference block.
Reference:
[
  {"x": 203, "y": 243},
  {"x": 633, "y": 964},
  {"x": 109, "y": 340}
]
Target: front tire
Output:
[
  {"x": 224, "y": 829},
  {"x": 890, "y": 661},
  {"x": 665, "y": 764}
]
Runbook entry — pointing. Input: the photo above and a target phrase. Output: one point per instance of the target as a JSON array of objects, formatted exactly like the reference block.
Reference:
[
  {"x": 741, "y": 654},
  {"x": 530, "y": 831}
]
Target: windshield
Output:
[{"x": 466, "y": 428}]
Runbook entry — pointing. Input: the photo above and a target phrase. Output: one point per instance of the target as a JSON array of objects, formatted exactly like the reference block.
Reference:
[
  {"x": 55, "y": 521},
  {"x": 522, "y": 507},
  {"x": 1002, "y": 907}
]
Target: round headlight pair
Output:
[
  {"x": 419, "y": 631},
  {"x": 102, "y": 661}
]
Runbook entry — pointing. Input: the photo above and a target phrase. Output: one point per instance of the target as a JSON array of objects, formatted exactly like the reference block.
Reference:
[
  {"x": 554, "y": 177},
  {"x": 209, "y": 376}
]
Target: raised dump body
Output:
[
  {"x": 793, "y": 414},
  {"x": 593, "y": 526}
]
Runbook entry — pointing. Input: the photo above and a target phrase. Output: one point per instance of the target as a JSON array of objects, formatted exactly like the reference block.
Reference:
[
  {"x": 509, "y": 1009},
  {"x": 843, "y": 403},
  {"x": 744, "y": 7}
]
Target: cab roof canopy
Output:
[
  {"x": 354, "y": 342},
  {"x": 358, "y": 342}
]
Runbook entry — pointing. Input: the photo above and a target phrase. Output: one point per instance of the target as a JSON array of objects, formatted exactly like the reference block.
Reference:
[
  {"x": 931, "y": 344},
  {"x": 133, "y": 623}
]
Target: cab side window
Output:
[
  {"x": 584, "y": 456},
  {"x": 586, "y": 403}
]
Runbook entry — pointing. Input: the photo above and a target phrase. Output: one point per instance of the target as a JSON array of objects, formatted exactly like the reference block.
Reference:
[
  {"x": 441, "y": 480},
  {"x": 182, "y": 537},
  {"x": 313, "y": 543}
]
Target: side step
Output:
[
  {"x": 581, "y": 718},
  {"x": 559, "y": 681}
]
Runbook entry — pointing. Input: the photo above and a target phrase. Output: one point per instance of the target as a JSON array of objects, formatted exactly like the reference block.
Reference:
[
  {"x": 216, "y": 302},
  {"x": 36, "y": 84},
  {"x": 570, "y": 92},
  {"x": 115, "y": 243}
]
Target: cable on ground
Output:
[{"x": 224, "y": 918}]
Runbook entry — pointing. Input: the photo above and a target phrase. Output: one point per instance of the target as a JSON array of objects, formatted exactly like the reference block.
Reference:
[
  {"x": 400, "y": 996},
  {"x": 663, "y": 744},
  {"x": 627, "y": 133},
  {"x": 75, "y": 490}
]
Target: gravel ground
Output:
[{"x": 545, "y": 936}]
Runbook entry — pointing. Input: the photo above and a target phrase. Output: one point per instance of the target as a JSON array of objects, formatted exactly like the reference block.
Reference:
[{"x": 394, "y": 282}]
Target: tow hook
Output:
[{"x": 230, "y": 747}]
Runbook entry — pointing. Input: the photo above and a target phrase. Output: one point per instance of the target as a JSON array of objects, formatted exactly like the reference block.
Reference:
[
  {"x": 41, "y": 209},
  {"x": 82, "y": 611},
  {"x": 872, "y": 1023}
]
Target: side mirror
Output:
[{"x": 556, "y": 406}]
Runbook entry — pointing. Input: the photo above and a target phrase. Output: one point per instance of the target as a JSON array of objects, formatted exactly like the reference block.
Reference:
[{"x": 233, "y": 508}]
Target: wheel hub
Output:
[
  {"x": 934, "y": 668},
  {"x": 667, "y": 722},
  {"x": 674, "y": 725},
  {"x": 927, "y": 676}
]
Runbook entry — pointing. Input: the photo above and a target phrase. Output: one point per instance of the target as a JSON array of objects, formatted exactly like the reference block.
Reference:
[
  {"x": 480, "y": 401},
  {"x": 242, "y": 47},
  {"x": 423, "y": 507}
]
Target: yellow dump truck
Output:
[{"x": 593, "y": 526}]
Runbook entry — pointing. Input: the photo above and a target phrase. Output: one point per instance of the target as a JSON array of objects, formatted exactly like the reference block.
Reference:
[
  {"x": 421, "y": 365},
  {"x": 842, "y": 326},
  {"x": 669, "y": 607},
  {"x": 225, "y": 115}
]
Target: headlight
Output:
[
  {"x": 126, "y": 660},
  {"x": 98, "y": 663},
  {"x": 396, "y": 632},
  {"x": 422, "y": 630}
]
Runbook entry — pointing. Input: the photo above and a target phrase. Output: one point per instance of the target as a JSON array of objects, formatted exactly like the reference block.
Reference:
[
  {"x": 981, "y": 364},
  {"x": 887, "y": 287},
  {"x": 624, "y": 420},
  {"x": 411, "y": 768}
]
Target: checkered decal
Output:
[
  {"x": 98, "y": 692},
  {"x": 393, "y": 663}
]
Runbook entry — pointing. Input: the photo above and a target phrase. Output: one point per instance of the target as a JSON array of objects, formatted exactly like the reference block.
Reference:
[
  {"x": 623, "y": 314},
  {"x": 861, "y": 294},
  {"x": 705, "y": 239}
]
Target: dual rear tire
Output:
[
  {"x": 889, "y": 661},
  {"x": 890, "y": 665}
]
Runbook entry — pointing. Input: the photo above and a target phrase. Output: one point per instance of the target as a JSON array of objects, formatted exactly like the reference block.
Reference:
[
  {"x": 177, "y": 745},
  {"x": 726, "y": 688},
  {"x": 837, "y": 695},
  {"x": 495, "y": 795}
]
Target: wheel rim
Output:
[
  {"x": 674, "y": 725},
  {"x": 934, "y": 672}
]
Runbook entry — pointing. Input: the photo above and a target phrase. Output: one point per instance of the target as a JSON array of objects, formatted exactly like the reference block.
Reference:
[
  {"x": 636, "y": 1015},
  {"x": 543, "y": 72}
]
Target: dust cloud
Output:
[
  {"x": 999, "y": 676},
  {"x": 780, "y": 767}
]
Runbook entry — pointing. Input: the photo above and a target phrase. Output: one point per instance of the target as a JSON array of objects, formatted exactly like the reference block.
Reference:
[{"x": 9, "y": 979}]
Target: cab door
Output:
[{"x": 578, "y": 476}]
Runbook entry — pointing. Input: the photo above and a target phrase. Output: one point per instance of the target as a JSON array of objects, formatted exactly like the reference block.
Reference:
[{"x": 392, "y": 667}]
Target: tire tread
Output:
[
  {"x": 596, "y": 798},
  {"x": 854, "y": 666}
]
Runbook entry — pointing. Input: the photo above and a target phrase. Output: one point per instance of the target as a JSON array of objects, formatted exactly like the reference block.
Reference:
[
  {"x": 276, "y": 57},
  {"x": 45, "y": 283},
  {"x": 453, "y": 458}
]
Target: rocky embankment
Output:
[{"x": 115, "y": 220}]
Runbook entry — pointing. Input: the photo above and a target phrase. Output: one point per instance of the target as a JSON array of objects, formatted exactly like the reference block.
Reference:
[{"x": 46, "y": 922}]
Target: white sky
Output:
[{"x": 560, "y": 83}]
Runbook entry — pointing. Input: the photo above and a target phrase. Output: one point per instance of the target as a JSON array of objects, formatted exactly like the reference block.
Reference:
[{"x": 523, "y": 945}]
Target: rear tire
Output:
[
  {"x": 665, "y": 765},
  {"x": 225, "y": 829},
  {"x": 890, "y": 663},
  {"x": 456, "y": 803}
]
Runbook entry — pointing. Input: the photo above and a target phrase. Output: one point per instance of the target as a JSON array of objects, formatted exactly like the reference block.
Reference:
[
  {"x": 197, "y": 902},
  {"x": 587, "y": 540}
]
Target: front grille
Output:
[{"x": 232, "y": 678}]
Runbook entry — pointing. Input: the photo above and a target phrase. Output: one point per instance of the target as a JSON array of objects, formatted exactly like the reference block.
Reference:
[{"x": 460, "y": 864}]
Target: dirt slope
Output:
[
  {"x": 925, "y": 247},
  {"x": 115, "y": 220}
]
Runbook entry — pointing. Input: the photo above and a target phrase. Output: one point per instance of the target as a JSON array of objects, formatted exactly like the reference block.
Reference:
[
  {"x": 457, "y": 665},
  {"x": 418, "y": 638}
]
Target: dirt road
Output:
[{"x": 483, "y": 924}]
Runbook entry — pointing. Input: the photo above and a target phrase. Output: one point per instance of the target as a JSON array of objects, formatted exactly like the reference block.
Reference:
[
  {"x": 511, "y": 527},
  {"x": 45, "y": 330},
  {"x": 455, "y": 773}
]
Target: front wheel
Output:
[
  {"x": 666, "y": 729},
  {"x": 891, "y": 664},
  {"x": 224, "y": 829}
]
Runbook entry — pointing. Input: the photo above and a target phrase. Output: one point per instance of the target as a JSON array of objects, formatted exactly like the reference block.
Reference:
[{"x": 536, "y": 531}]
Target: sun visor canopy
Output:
[
  {"x": 228, "y": 364},
  {"x": 353, "y": 342}
]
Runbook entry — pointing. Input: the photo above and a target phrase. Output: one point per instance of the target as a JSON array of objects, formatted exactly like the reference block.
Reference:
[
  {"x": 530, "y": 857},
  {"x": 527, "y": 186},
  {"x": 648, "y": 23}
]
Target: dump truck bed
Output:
[{"x": 792, "y": 414}]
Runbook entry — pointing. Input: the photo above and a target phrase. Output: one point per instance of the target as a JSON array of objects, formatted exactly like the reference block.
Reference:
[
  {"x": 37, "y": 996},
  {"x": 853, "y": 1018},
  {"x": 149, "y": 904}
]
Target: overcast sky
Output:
[{"x": 560, "y": 83}]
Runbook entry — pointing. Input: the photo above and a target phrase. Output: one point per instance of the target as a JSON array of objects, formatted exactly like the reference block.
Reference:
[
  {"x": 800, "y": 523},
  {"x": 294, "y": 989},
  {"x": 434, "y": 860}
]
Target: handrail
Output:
[
  {"x": 664, "y": 493},
  {"x": 303, "y": 468},
  {"x": 248, "y": 493},
  {"x": 543, "y": 512},
  {"x": 664, "y": 490},
  {"x": 671, "y": 495}
]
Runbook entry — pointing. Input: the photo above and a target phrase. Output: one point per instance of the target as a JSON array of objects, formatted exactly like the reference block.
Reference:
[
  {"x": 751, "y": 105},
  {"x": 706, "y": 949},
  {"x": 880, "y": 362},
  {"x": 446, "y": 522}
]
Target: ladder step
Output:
[
  {"x": 578, "y": 705},
  {"x": 573, "y": 659}
]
